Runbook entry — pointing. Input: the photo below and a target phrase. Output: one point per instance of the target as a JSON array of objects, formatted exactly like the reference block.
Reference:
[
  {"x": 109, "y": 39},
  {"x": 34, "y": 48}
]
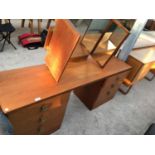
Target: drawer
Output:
[
  {"x": 109, "y": 88},
  {"x": 97, "y": 93},
  {"x": 34, "y": 111},
  {"x": 47, "y": 114},
  {"x": 44, "y": 125}
]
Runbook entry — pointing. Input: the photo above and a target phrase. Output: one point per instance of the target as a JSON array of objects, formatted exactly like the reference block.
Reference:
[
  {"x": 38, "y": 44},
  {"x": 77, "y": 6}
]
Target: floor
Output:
[{"x": 130, "y": 114}]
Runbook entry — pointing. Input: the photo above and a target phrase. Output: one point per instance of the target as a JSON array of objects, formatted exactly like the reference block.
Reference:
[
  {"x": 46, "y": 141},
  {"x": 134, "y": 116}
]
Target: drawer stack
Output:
[
  {"x": 100, "y": 92},
  {"x": 43, "y": 117}
]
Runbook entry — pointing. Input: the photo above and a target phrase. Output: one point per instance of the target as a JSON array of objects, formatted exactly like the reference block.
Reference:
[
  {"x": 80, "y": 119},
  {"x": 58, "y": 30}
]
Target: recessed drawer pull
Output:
[
  {"x": 112, "y": 86},
  {"x": 39, "y": 130},
  {"x": 42, "y": 120},
  {"x": 108, "y": 93},
  {"x": 118, "y": 78},
  {"x": 44, "y": 108}
]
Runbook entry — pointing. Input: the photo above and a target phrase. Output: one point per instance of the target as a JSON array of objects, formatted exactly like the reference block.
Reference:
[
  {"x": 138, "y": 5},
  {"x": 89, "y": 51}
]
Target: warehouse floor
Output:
[{"x": 130, "y": 114}]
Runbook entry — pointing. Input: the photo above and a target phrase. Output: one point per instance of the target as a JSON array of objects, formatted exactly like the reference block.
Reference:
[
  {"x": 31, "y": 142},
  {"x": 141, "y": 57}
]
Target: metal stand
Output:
[{"x": 6, "y": 38}]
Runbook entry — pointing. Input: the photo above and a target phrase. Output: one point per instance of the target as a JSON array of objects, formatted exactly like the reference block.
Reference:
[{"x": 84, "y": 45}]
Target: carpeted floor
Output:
[{"x": 130, "y": 114}]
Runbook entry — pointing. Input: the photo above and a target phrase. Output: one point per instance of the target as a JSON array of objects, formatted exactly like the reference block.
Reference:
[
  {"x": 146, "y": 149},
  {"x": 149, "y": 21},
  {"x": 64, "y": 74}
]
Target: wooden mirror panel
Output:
[{"x": 61, "y": 46}]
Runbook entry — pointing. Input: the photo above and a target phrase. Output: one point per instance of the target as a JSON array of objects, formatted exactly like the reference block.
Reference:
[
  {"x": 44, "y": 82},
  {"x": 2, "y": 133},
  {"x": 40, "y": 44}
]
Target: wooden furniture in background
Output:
[
  {"x": 150, "y": 25},
  {"x": 147, "y": 40},
  {"x": 39, "y": 22},
  {"x": 141, "y": 61}
]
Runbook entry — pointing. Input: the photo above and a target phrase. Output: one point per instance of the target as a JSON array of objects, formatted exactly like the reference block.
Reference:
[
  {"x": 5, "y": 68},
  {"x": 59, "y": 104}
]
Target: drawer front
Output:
[
  {"x": 42, "y": 116},
  {"x": 144, "y": 71},
  {"x": 136, "y": 66},
  {"x": 110, "y": 87}
]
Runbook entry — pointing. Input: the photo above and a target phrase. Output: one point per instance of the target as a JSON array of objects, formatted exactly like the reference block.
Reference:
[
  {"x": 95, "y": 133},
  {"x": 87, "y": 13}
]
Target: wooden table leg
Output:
[
  {"x": 39, "y": 26},
  {"x": 23, "y": 23},
  {"x": 48, "y": 23},
  {"x": 31, "y": 25}
]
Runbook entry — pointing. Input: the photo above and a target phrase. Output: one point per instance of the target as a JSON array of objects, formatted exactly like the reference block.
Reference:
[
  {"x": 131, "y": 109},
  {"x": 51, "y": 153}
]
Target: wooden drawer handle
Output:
[
  {"x": 42, "y": 120},
  {"x": 112, "y": 86},
  {"x": 40, "y": 130},
  {"x": 44, "y": 108},
  {"x": 118, "y": 78},
  {"x": 108, "y": 93}
]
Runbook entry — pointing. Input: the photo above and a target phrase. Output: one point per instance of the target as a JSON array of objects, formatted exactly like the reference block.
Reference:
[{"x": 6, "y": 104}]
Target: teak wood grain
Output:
[
  {"x": 61, "y": 46},
  {"x": 21, "y": 87}
]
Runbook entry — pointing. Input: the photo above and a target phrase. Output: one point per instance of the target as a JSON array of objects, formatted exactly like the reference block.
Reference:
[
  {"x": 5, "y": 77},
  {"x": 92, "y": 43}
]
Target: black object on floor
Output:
[
  {"x": 5, "y": 126},
  {"x": 5, "y": 34},
  {"x": 151, "y": 130}
]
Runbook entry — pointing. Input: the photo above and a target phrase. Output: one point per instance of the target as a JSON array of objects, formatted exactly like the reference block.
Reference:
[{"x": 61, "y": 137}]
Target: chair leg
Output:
[
  {"x": 13, "y": 45},
  {"x": 3, "y": 45},
  {"x": 31, "y": 25},
  {"x": 23, "y": 23},
  {"x": 48, "y": 23},
  {"x": 39, "y": 25}
]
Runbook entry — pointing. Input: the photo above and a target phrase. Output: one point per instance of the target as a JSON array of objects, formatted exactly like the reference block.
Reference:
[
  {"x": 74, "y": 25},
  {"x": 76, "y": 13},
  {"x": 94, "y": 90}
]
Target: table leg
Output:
[
  {"x": 22, "y": 22},
  {"x": 39, "y": 26},
  {"x": 31, "y": 25},
  {"x": 48, "y": 23}
]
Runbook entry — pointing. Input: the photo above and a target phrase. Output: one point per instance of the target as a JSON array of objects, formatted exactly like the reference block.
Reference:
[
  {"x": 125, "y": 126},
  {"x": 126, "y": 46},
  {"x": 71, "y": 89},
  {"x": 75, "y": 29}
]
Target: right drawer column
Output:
[{"x": 96, "y": 94}]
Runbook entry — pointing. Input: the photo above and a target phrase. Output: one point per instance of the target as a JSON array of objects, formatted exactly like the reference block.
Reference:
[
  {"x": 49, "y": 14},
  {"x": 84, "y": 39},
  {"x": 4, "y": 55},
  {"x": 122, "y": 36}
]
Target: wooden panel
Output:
[
  {"x": 153, "y": 68},
  {"x": 48, "y": 38},
  {"x": 117, "y": 38},
  {"x": 40, "y": 118},
  {"x": 144, "y": 71},
  {"x": 80, "y": 51},
  {"x": 64, "y": 39},
  {"x": 139, "y": 70},
  {"x": 38, "y": 81},
  {"x": 100, "y": 92},
  {"x": 136, "y": 67},
  {"x": 144, "y": 55},
  {"x": 110, "y": 88}
]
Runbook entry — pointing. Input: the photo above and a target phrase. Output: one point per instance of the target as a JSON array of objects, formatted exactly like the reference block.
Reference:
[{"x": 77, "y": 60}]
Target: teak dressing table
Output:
[{"x": 35, "y": 102}]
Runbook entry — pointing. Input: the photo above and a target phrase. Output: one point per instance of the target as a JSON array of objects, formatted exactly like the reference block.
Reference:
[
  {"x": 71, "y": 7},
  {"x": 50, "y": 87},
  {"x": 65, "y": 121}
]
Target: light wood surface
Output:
[
  {"x": 22, "y": 87},
  {"x": 142, "y": 61},
  {"x": 43, "y": 117},
  {"x": 145, "y": 55},
  {"x": 61, "y": 46},
  {"x": 146, "y": 39}
]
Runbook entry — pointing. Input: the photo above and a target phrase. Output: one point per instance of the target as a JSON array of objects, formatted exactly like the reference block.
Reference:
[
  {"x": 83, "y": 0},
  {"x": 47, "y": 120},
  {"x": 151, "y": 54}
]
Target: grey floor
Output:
[{"x": 130, "y": 114}]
